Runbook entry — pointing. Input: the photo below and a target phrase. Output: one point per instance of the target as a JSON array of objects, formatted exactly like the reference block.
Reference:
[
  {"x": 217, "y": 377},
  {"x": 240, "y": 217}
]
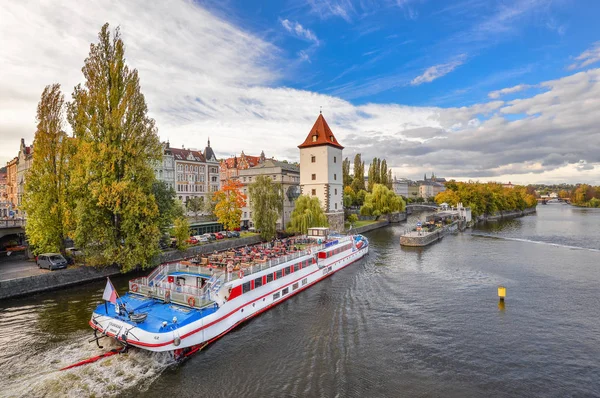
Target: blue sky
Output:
[
  {"x": 342, "y": 46},
  {"x": 484, "y": 90}
]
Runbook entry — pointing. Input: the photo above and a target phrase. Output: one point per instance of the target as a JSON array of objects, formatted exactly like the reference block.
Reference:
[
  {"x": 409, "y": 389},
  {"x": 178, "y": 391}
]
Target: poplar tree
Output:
[
  {"x": 266, "y": 204},
  {"x": 116, "y": 212},
  {"x": 358, "y": 183},
  {"x": 46, "y": 200},
  {"x": 347, "y": 179}
]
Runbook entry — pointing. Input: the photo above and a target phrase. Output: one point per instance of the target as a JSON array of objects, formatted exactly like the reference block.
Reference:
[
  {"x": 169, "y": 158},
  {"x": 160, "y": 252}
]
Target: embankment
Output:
[
  {"x": 77, "y": 275},
  {"x": 506, "y": 215}
]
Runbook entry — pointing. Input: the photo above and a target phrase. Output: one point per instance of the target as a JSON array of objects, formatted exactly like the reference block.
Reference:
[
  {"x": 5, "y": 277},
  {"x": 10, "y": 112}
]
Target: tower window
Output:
[
  {"x": 335, "y": 159},
  {"x": 335, "y": 191},
  {"x": 314, "y": 192},
  {"x": 336, "y": 206},
  {"x": 314, "y": 177},
  {"x": 313, "y": 159},
  {"x": 335, "y": 176}
]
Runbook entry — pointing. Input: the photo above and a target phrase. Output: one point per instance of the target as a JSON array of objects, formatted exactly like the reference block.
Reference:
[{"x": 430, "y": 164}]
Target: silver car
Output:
[{"x": 51, "y": 261}]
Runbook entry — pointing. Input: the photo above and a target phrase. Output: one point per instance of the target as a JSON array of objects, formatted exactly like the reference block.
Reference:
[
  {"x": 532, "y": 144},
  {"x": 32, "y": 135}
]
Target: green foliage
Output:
[
  {"x": 195, "y": 204},
  {"x": 359, "y": 199},
  {"x": 487, "y": 198},
  {"x": 181, "y": 232},
  {"x": 116, "y": 212},
  {"x": 585, "y": 195},
  {"x": 352, "y": 218},
  {"x": 358, "y": 182},
  {"x": 169, "y": 207},
  {"x": 47, "y": 200},
  {"x": 347, "y": 178},
  {"x": 266, "y": 204},
  {"x": 379, "y": 174},
  {"x": 306, "y": 214},
  {"x": 382, "y": 201}
]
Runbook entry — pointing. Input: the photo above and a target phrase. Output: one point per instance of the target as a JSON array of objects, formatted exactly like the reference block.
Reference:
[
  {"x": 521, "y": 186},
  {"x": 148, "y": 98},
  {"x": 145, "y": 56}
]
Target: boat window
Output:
[
  {"x": 304, "y": 281},
  {"x": 285, "y": 291},
  {"x": 276, "y": 296},
  {"x": 246, "y": 287},
  {"x": 288, "y": 270},
  {"x": 295, "y": 286},
  {"x": 258, "y": 282},
  {"x": 278, "y": 274},
  {"x": 269, "y": 278}
]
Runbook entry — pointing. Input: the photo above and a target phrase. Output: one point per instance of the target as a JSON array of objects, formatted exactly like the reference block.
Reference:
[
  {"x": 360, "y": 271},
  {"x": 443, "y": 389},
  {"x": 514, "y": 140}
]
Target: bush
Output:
[{"x": 352, "y": 218}]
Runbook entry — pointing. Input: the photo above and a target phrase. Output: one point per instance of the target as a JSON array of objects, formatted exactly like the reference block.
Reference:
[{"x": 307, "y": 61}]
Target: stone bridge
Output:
[
  {"x": 421, "y": 207},
  {"x": 12, "y": 227}
]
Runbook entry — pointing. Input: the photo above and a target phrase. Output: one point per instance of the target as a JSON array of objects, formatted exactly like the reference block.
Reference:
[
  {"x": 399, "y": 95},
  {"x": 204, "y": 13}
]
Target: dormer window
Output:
[
  {"x": 315, "y": 138},
  {"x": 331, "y": 138}
]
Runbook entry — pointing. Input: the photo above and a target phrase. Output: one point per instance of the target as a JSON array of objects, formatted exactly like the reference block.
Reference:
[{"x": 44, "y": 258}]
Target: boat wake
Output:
[
  {"x": 537, "y": 242},
  {"x": 37, "y": 373}
]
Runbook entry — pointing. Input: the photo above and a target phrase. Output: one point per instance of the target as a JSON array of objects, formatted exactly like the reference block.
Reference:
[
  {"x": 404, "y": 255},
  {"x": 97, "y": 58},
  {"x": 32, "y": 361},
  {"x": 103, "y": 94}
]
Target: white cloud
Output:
[
  {"x": 437, "y": 71},
  {"x": 299, "y": 31},
  {"x": 498, "y": 93},
  {"x": 204, "y": 77},
  {"x": 588, "y": 57}
]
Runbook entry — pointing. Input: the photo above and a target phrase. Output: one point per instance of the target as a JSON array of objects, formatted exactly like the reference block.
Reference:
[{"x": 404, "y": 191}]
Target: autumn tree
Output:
[
  {"x": 358, "y": 182},
  {"x": 229, "y": 202},
  {"x": 46, "y": 199},
  {"x": 382, "y": 201},
  {"x": 346, "y": 177},
  {"x": 181, "y": 232},
  {"x": 266, "y": 202},
  {"x": 117, "y": 143},
  {"x": 169, "y": 208},
  {"x": 307, "y": 213}
]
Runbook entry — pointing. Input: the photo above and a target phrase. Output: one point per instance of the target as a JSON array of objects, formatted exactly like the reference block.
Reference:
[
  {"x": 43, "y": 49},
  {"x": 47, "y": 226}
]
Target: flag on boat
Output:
[{"x": 110, "y": 294}]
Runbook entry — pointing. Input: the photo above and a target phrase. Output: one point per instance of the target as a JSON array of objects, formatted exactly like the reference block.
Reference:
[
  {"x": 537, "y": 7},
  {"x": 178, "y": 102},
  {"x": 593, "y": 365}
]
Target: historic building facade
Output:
[
  {"x": 321, "y": 171},
  {"x": 230, "y": 167},
  {"x": 286, "y": 174},
  {"x": 11, "y": 183},
  {"x": 24, "y": 161}
]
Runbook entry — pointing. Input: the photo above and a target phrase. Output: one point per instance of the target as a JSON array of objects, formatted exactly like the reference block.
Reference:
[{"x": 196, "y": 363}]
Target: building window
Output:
[
  {"x": 314, "y": 138},
  {"x": 313, "y": 159},
  {"x": 335, "y": 159},
  {"x": 336, "y": 206},
  {"x": 335, "y": 176},
  {"x": 314, "y": 192},
  {"x": 335, "y": 190},
  {"x": 313, "y": 177}
]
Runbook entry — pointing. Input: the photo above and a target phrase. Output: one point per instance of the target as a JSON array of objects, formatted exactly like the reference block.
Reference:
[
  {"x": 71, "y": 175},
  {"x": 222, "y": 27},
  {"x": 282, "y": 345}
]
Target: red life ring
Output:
[
  {"x": 134, "y": 288},
  {"x": 241, "y": 274},
  {"x": 191, "y": 301}
]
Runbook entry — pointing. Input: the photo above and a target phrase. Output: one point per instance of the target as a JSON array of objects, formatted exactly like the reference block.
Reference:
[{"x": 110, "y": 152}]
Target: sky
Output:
[{"x": 470, "y": 89}]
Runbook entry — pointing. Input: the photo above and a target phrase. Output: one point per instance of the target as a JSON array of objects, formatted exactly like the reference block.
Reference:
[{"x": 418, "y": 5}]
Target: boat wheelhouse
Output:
[{"x": 181, "y": 306}]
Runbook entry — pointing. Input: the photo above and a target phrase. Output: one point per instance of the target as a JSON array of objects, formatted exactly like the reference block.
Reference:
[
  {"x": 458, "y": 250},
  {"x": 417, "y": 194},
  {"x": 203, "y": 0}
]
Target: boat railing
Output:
[{"x": 181, "y": 294}]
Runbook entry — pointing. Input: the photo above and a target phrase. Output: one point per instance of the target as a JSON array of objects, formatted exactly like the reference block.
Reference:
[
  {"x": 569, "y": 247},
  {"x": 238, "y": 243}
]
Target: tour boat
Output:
[{"x": 181, "y": 307}]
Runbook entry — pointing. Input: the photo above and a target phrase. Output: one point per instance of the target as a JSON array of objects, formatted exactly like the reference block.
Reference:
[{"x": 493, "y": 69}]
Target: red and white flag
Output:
[{"x": 110, "y": 294}]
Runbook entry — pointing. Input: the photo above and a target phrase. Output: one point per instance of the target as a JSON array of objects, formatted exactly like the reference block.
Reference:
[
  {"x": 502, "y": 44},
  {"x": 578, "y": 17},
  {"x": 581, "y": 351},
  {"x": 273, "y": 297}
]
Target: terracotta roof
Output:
[
  {"x": 323, "y": 134},
  {"x": 252, "y": 161},
  {"x": 184, "y": 154}
]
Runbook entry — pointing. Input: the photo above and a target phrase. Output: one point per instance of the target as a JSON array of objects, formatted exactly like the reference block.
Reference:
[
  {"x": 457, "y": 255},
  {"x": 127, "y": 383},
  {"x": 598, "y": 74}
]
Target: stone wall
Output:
[
  {"x": 370, "y": 227},
  {"x": 397, "y": 217},
  {"x": 336, "y": 221},
  {"x": 507, "y": 214},
  {"x": 73, "y": 276}
]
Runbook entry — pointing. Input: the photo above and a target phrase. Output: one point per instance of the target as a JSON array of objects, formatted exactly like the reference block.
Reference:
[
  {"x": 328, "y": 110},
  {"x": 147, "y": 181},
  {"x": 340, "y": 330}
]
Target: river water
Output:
[{"x": 419, "y": 322}]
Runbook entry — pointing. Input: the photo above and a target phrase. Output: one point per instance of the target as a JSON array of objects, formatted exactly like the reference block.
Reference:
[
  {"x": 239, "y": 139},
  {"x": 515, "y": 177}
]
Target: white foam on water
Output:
[
  {"x": 537, "y": 242},
  {"x": 38, "y": 374}
]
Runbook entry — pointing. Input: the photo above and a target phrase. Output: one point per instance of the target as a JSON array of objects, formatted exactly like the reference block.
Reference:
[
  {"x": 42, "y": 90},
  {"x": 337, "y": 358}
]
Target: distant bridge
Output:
[
  {"x": 12, "y": 227},
  {"x": 422, "y": 206}
]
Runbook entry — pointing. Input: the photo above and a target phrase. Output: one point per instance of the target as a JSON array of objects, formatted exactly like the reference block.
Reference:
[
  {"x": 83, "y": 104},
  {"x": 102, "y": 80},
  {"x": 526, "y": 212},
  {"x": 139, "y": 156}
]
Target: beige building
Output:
[
  {"x": 24, "y": 161},
  {"x": 288, "y": 175},
  {"x": 196, "y": 173},
  {"x": 321, "y": 171},
  {"x": 230, "y": 168},
  {"x": 11, "y": 183}
]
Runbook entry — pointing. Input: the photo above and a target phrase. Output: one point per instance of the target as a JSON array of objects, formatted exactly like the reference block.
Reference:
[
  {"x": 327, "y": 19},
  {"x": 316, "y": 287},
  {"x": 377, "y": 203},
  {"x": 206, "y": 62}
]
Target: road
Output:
[{"x": 17, "y": 266}]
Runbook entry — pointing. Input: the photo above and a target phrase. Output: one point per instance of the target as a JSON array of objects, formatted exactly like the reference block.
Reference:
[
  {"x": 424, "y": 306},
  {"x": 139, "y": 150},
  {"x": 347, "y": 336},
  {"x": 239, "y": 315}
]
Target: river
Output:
[{"x": 417, "y": 322}]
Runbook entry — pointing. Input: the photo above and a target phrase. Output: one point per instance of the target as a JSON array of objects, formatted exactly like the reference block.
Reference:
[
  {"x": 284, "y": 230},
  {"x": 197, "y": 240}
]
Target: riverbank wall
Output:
[
  {"x": 53, "y": 280},
  {"x": 369, "y": 227},
  {"x": 413, "y": 239},
  {"x": 506, "y": 215}
]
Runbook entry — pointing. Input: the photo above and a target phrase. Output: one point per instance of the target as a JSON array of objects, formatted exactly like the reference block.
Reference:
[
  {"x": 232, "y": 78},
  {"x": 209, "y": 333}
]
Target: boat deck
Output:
[{"x": 157, "y": 312}]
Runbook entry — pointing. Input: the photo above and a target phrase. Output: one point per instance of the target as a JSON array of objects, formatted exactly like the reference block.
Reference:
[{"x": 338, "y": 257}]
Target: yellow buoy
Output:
[{"x": 501, "y": 292}]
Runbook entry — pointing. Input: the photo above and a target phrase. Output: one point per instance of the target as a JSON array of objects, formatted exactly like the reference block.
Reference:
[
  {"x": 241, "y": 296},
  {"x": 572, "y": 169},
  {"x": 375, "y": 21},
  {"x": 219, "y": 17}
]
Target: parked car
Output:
[
  {"x": 51, "y": 261},
  {"x": 219, "y": 235},
  {"x": 225, "y": 234},
  {"x": 192, "y": 240},
  {"x": 233, "y": 234},
  {"x": 210, "y": 237},
  {"x": 201, "y": 238}
]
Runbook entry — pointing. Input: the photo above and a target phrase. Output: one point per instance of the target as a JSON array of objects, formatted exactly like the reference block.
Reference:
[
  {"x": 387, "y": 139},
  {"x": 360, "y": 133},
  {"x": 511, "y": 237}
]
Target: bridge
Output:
[
  {"x": 422, "y": 206},
  {"x": 12, "y": 227}
]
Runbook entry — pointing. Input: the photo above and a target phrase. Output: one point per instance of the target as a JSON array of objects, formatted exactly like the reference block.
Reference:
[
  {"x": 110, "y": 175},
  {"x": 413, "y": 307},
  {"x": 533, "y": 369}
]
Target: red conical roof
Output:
[{"x": 319, "y": 135}]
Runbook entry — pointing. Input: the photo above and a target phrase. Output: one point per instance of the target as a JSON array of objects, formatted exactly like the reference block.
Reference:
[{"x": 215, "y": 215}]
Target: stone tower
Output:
[{"x": 321, "y": 171}]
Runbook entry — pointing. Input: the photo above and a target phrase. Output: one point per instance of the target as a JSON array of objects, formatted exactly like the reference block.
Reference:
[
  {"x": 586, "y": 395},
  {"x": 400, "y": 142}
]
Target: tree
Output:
[
  {"x": 349, "y": 197},
  {"x": 209, "y": 206},
  {"x": 169, "y": 207},
  {"x": 307, "y": 213},
  {"x": 195, "y": 204},
  {"x": 117, "y": 143},
  {"x": 181, "y": 232},
  {"x": 229, "y": 202},
  {"x": 346, "y": 177},
  {"x": 358, "y": 182},
  {"x": 266, "y": 204},
  {"x": 46, "y": 200},
  {"x": 382, "y": 201},
  {"x": 447, "y": 196}
]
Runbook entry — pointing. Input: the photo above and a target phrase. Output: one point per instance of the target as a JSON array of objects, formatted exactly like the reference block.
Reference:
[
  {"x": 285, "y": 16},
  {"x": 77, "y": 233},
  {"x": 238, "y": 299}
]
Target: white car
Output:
[{"x": 201, "y": 238}]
